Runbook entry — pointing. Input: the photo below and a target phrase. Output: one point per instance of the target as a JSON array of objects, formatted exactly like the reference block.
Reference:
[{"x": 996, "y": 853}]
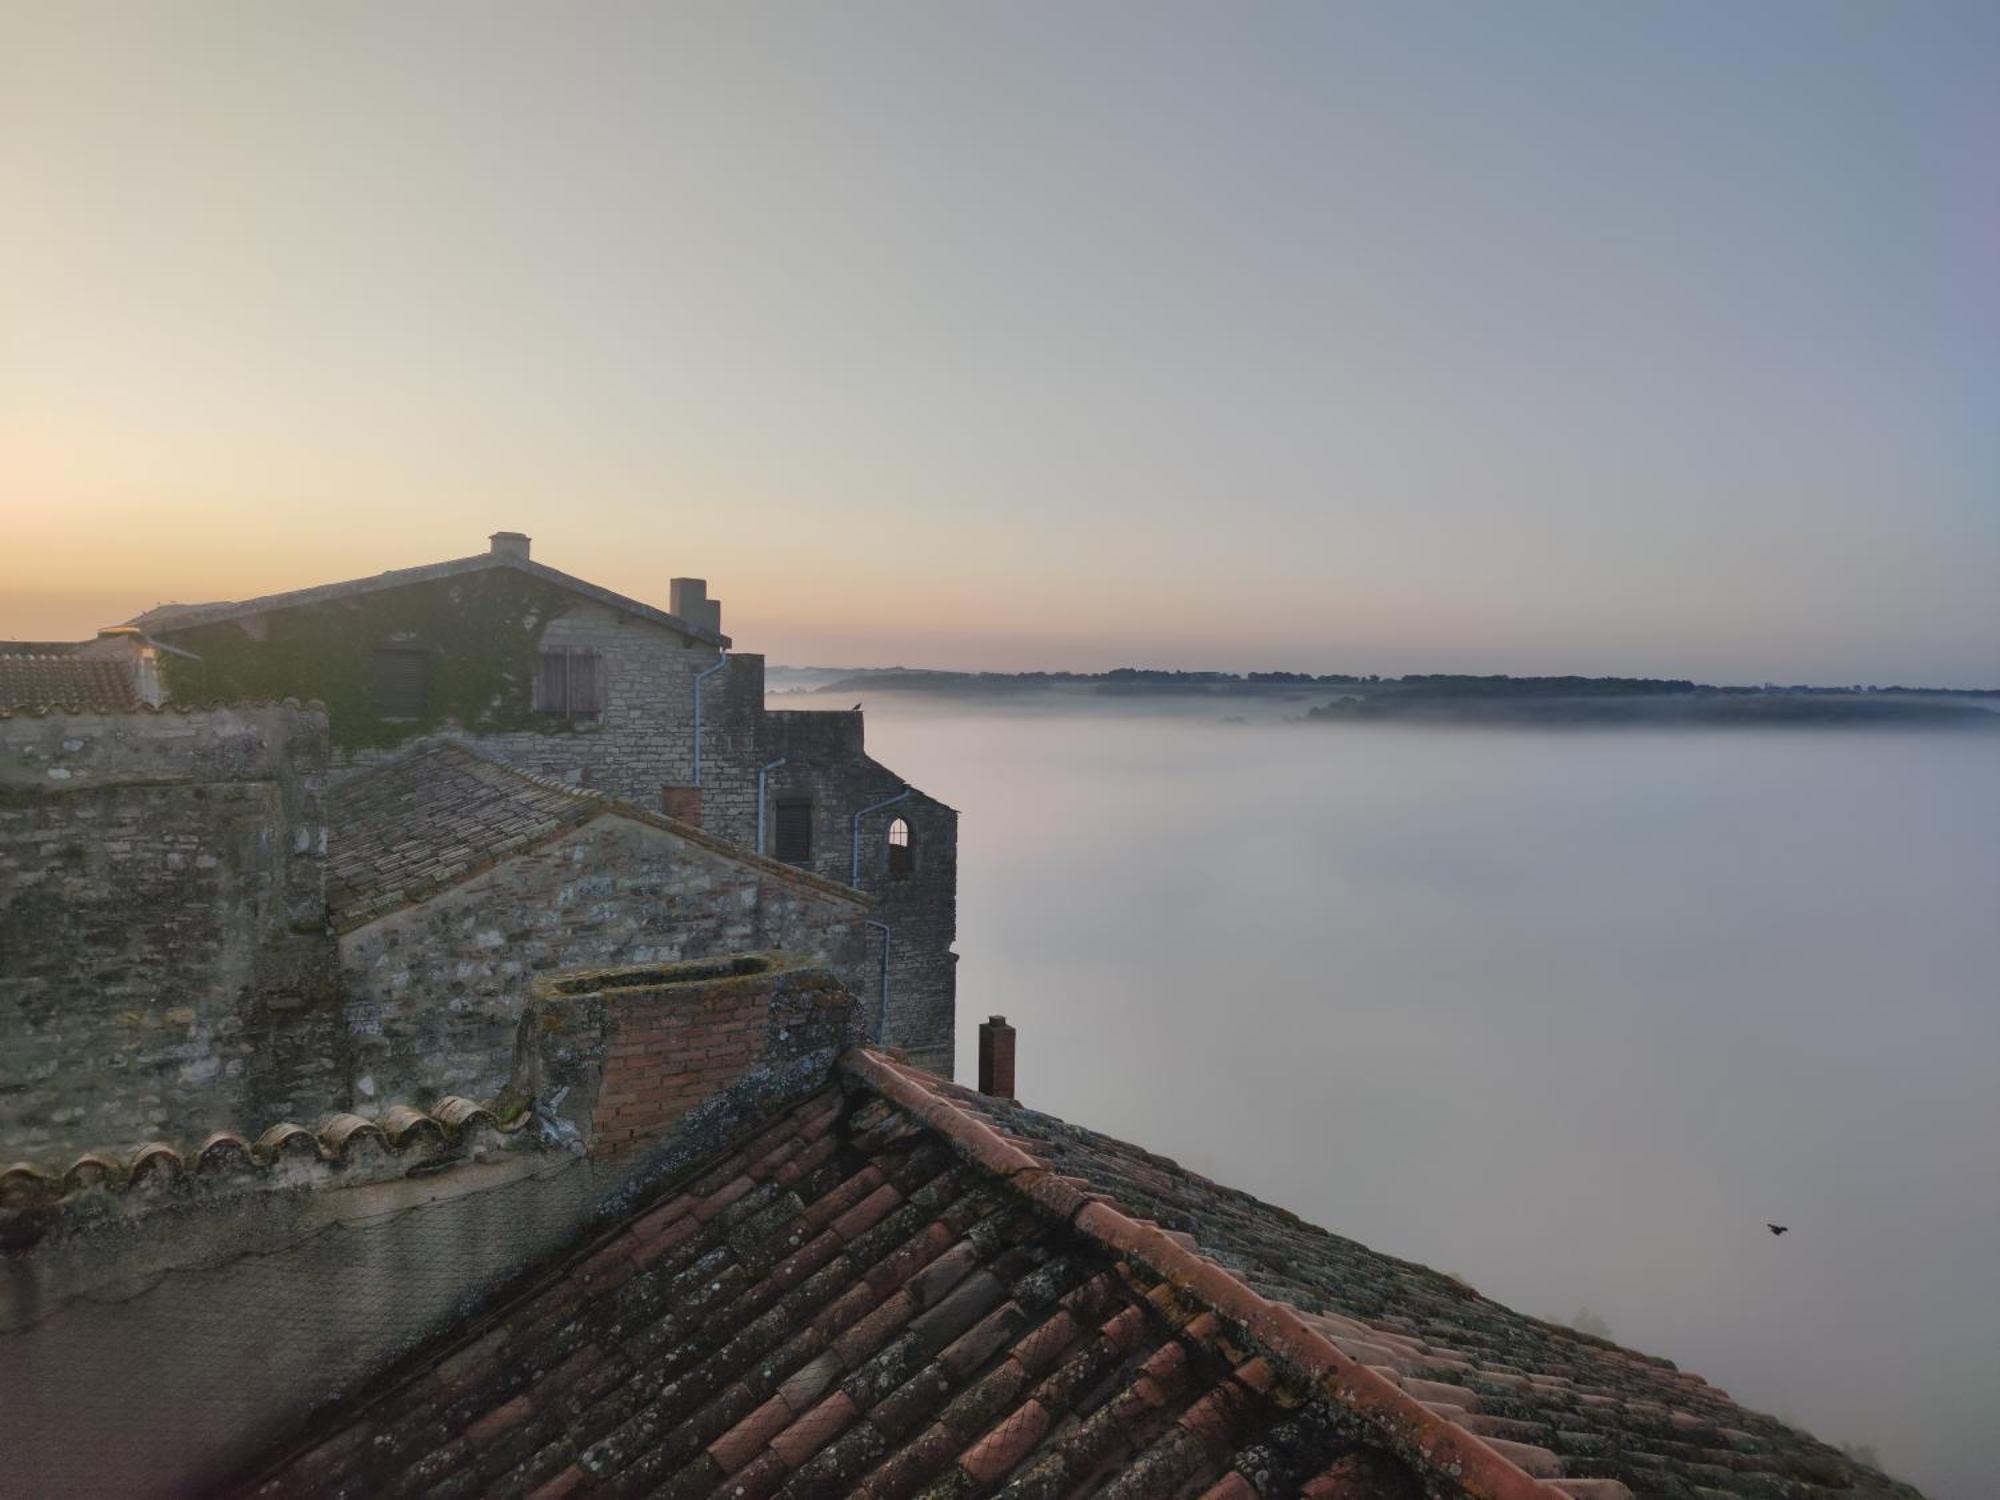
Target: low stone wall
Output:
[{"x": 164, "y": 957}]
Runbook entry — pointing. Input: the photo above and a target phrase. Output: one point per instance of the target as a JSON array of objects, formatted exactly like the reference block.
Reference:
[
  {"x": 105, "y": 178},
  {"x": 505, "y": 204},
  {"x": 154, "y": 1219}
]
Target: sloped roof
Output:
[
  {"x": 441, "y": 813},
  {"x": 843, "y": 1306},
  {"x": 164, "y": 619},
  {"x": 428, "y": 819},
  {"x": 61, "y": 679},
  {"x": 900, "y": 1288}
]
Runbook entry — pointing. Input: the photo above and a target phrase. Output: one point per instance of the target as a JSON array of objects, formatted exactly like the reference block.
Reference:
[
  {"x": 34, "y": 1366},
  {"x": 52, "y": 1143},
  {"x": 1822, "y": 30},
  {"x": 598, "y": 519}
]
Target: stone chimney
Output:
[
  {"x": 624, "y": 1055},
  {"x": 688, "y": 598},
  {"x": 509, "y": 544},
  {"x": 996, "y": 1058}
]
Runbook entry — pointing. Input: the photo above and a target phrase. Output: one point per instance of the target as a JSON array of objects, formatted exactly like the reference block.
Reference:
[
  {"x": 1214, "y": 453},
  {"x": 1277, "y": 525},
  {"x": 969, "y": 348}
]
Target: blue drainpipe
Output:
[{"x": 699, "y": 678}]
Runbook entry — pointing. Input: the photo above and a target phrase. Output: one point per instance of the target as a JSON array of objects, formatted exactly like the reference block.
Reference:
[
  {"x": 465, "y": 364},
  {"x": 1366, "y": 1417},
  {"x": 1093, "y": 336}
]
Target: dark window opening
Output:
[
  {"x": 794, "y": 829},
  {"x": 902, "y": 853},
  {"x": 402, "y": 678},
  {"x": 569, "y": 680}
]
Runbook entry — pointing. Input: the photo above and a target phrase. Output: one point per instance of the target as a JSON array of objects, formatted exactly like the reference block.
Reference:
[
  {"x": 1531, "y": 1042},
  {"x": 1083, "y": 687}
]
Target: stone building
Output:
[{"x": 567, "y": 680}]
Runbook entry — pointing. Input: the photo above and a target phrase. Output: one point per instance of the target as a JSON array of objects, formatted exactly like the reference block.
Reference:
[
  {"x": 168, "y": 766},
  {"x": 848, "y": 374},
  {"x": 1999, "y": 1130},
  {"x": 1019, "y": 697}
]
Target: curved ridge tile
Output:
[
  {"x": 22, "y": 1184},
  {"x": 224, "y": 1151},
  {"x": 92, "y": 1169},
  {"x": 285, "y": 1139},
  {"x": 156, "y": 1163},
  {"x": 342, "y": 1134},
  {"x": 457, "y": 1114},
  {"x": 406, "y": 1127}
]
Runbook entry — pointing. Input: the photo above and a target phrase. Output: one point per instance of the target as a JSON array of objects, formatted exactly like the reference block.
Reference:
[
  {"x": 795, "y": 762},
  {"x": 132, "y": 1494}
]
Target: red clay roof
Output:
[
  {"x": 898, "y": 1289},
  {"x": 77, "y": 684}
]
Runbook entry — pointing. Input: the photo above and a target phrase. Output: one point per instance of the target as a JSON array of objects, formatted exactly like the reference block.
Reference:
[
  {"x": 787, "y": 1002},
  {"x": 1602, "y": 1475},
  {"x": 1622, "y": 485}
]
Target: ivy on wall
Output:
[{"x": 479, "y": 632}]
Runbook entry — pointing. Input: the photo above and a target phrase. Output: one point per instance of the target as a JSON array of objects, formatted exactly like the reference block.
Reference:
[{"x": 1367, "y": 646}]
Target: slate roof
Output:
[
  {"x": 441, "y": 813},
  {"x": 166, "y": 618},
  {"x": 414, "y": 825},
  {"x": 60, "y": 679},
  {"x": 901, "y": 1289}
]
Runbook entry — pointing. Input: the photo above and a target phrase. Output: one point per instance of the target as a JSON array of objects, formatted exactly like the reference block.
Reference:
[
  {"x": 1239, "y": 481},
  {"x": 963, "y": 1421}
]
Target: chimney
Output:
[
  {"x": 688, "y": 598},
  {"x": 622, "y": 1056},
  {"x": 509, "y": 544},
  {"x": 996, "y": 1058}
]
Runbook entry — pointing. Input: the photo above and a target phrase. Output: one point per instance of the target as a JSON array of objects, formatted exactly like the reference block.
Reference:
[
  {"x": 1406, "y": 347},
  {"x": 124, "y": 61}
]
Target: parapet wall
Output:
[{"x": 164, "y": 953}]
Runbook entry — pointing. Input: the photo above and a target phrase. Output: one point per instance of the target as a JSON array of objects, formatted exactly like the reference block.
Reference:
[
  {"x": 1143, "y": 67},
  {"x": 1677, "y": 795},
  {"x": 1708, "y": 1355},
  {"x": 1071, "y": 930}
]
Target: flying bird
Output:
[{"x": 1777, "y": 1228}]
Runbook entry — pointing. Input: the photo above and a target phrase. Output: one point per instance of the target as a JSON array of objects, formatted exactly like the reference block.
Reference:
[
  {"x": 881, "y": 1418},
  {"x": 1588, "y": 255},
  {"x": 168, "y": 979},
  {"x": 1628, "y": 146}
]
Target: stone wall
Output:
[
  {"x": 825, "y": 762},
  {"x": 164, "y": 956},
  {"x": 434, "y": 991},
  {"x": 643, "y": 739}
]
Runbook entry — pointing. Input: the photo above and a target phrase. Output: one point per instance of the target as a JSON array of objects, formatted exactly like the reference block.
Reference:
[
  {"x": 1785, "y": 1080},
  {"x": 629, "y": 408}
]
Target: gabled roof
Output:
[
  {"x": 61, "y": 679},
  {"x": 899, "y": 1288},
  {"x": 441, "y": 813},
  {"x": 165, "y": 619}
]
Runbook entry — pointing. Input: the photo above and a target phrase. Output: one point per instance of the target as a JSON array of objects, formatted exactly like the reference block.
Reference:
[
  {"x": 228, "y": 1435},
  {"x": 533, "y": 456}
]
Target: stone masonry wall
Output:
[
  {"x": 434, "y": 992},
  {"x": 644, "y": 738},
  {"x": 824, "y": 760},
  {"x": 164, "y": 955}
]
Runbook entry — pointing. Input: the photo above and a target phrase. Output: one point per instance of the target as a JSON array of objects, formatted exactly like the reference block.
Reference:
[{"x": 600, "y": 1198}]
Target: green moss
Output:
[{"x": 480, "y": 632}]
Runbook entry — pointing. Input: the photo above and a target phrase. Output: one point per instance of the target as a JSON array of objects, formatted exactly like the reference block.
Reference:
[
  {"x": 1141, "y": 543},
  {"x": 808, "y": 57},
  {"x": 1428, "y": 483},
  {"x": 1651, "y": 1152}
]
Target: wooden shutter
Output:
[
  {"x": 583, "y": 683},
  {"x": 569, "y": 680}
]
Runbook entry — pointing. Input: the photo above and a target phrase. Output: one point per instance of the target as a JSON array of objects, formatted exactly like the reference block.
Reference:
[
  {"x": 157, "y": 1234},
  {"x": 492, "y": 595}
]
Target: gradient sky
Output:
[{"x": 1546, "y": 337}]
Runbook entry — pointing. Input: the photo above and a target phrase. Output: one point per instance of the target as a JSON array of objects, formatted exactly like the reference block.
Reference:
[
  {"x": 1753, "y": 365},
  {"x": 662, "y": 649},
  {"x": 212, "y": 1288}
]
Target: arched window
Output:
[{"x": 902, "y": 856}]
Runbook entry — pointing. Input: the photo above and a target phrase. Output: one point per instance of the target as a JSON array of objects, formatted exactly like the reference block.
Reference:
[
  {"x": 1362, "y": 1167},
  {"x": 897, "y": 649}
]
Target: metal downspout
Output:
[
  {"x": 854, "y": 878},
  {"x": 699, "y": 678}
]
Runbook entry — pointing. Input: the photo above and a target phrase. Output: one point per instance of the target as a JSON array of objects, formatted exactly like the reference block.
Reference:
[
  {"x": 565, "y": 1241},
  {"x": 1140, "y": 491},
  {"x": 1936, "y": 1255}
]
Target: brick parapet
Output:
[{"x": 633, "y": 1051}]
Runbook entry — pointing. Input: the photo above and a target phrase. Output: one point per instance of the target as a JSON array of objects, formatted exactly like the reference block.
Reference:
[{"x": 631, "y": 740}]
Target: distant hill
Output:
[{"x": 1440, "y": 697}]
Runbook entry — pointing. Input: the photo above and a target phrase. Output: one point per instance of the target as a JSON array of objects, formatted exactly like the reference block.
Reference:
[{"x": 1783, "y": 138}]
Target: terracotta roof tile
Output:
[
  {"x": 400, "y": 1140},
  {"x": 71, "y": 683},
  {"x": 1593, "y": 1419},
  {"x": 879, "y": 1295},
  {"x": 891, "y": 1321}
]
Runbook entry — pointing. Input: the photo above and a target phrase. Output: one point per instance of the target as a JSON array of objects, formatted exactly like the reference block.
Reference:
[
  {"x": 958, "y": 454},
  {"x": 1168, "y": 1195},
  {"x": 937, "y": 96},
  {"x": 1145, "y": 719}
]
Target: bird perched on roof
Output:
[
  {"x": 1778, "y": 1228},
  {"x": 856, "y": 709}
]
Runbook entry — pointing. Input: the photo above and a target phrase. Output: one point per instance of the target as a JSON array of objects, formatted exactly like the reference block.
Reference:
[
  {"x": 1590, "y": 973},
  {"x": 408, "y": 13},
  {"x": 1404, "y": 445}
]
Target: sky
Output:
[{"x": 1650, "y": 338}]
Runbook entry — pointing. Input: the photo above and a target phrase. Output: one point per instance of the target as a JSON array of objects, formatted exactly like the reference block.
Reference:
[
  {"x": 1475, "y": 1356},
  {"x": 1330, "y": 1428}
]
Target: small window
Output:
[
  {"x": 794, "y": 829},
  {"x": 902, "y": 855},
  {"x": 569, "y": 680},
  {"x": 402, "y": 682}
]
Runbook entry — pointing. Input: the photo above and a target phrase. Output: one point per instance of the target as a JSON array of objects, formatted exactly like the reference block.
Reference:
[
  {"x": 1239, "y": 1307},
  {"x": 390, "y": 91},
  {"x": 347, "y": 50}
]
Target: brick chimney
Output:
[
  {"x": 996, "y": 1057},
  {"x": 632, "y": 1051},
  {"x": 509, "y": 544}
]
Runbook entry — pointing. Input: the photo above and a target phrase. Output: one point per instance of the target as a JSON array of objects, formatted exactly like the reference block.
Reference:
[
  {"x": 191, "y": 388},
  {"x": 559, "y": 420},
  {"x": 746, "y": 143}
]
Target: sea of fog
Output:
[{"x": 1567, "y": 1014}]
